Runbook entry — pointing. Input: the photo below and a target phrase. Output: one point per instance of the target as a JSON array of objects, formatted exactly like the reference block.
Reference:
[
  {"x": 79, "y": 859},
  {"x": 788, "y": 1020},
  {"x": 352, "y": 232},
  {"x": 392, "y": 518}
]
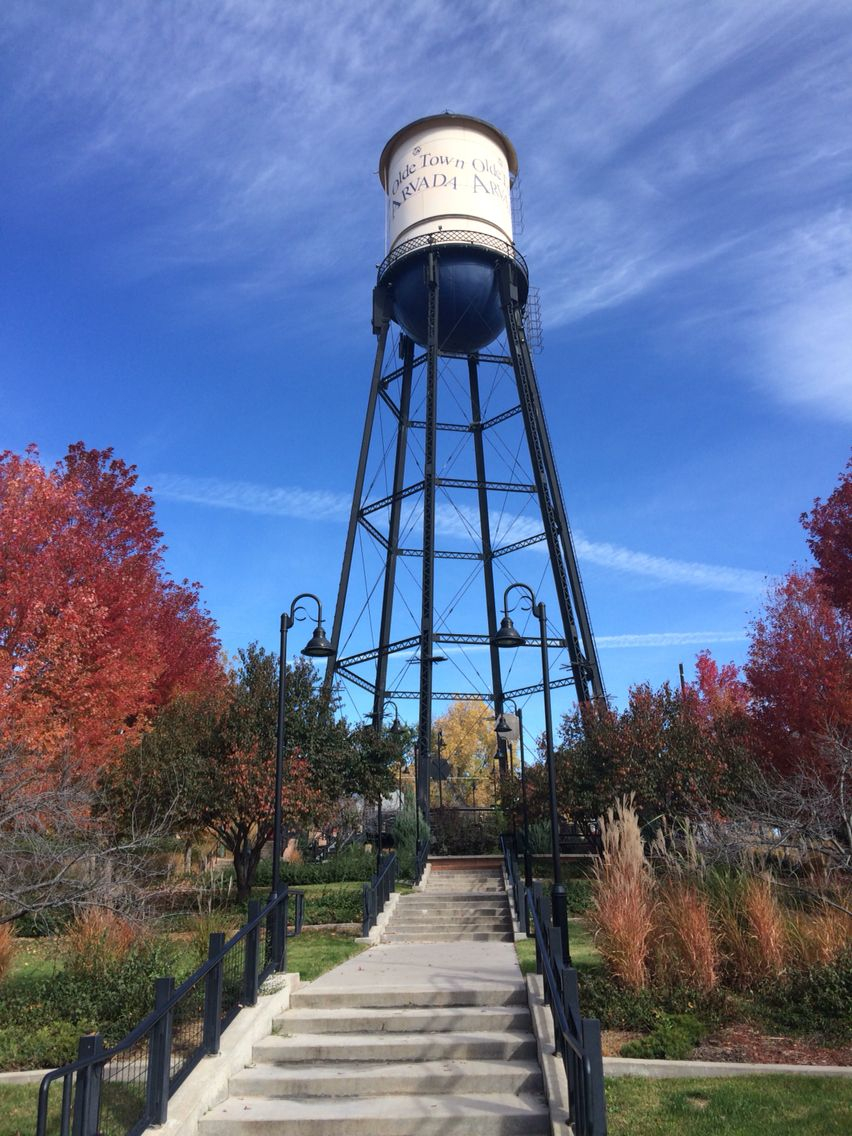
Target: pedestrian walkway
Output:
[{"x": 421, "y": 1038}]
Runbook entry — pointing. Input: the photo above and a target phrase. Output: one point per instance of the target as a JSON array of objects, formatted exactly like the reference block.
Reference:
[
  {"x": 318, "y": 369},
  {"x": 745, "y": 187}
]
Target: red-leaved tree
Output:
[
  {"x": 94, "y": 636},
  {"x": 829, "y": 525},
  {"x": 678, "y": 751},
  {"x": 799, "y": 671}
]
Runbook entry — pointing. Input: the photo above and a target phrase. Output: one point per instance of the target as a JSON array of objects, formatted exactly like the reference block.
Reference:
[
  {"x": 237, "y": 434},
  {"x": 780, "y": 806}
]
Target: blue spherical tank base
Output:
[{"x": 469, "y": 312}]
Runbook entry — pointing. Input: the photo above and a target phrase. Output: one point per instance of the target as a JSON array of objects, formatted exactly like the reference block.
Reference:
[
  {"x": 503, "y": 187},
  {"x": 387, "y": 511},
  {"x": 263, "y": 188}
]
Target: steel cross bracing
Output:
[
  {"x": 393, "y": 520},
  {"x": 563, "y": 559}
]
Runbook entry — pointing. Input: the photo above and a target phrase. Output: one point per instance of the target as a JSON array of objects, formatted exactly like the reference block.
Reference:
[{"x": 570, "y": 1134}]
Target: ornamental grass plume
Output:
[
  {"x": 96, "y": 941},
  {"x": 819, "y": 937},
  {"x": 686, "y": 948},
  {"x": 8, "y": 948},
  {"x": 767, "y": 928},
  {"x": 622, "y": 912}
]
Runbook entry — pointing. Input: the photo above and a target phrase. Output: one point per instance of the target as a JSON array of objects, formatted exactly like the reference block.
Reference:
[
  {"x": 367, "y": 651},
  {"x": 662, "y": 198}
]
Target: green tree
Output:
[{"x": 210, "y": 763}]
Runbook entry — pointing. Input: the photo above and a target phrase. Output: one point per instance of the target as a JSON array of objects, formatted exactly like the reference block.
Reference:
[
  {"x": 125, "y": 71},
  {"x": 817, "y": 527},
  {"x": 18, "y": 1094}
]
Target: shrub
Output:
[
  {"x": 53, "y": 1044},
  {"x": 814, "y": 999},
  {"x": 38, "y": 924},
  {"x": 8, "y": 948},
  {"x": 458, "y": 833},
  {"x": 622, "y": 911},
  {"x": 540, "y": 837},
  {"x": 673, "y": 1038},
  {"x": 353, "y": 864},
  {"x": 201, "y": 927},
  {"x": 616, "y": 1006},
  {"x": 579, "y": 896},
  {"x": 333, "y": 905},
  {"x": 117, "y": 997},
  {"x": 685, "y": 946},
  {"x": 405, "y": 836}
]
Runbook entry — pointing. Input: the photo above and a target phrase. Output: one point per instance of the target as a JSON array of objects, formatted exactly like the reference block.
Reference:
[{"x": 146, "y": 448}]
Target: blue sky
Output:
[{"x": 191, "y": 224}]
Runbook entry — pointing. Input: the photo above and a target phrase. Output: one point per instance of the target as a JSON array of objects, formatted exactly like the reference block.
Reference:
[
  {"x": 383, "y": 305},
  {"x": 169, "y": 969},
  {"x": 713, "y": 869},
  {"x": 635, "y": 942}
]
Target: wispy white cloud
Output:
[
  {"x": 669, "y": 149},
  {"x": 670, "y": 639},
  {"x": 324, "y": 505},
  {"x": 663, "y": 569},
  {"x": 650, "y": 639},
  {"x": 802, "y": 347},
  {"x": 245, "y": 497}
]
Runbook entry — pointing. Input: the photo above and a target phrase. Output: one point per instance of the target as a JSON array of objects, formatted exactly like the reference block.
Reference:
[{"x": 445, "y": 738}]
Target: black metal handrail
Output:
[
  {"x": 508, "y": 847},
  {"x": 578, "y": 1039},
  {"x": 420, "y": 858},
  {"x": 378, "y": 891},
  {"x": 122, "y": 1090},
  {"x": 464, "y": 237}
]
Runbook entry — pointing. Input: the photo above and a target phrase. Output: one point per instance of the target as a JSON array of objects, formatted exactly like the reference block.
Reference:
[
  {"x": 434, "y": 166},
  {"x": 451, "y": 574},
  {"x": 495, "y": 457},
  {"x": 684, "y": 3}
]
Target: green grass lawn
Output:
[
  {"x": 584, "y": 954},
  {"x": 314, "y": 952},
  {"x": 35, "y": 958},
  {"x": 736, "y": 1106},
  {"x": 18, "y": 1104}
]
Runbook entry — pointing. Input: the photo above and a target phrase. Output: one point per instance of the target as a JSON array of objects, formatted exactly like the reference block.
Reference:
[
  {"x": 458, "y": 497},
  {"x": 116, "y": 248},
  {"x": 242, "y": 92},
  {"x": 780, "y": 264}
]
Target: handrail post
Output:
[
  {"x": 281, "y": 963},
  {"x": 213, "y": 995},
  {"x": 365, "y": 922},
  {"x": 87, "y": 1093},
  {"x": 250, "y": 971},
  {"x": 160, "y": 1055},
  {"x": 571, "y": 1000},
  {"x": 596, "y": 1102}
]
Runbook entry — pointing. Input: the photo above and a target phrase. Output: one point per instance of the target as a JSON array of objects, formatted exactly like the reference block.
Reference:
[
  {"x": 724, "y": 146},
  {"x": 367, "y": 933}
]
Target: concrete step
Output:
[
  {"x": 449, "y": 923},
  {"x": 455, "y": 902},
  {"x": 448, "y": 915},
  {"x": 463, "y": 1114},
  {"x": 469, "y": 886},
  {"x": 479, "y": 877},
  {"x": 461, "y": 1045},
  {"x": 452, "y": 900},
  {"x": 433, "y": 927},
  {"x": 352, "y": 1079},
  {"x": 466, "y": 874},
  {"x": 431, "y": 1019},
  {"x": 453, "y": 895},
  {"x": 451, "y": 915},
  {"x": 402, "y": 997},
  {"x": 391, "y": 935}
]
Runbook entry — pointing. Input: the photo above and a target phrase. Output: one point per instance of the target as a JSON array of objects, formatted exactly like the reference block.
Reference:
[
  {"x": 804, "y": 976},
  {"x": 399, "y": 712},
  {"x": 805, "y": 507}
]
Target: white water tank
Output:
[{"x": 448, "y": 180}]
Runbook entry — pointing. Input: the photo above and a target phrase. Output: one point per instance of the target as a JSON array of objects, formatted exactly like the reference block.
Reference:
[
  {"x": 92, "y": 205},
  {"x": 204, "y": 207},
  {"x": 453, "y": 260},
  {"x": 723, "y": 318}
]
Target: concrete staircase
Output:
[
  {"x": 408, "y": 1039},
  {"x": 431, "y": 1063},
  {"x": 456, "y": 905}
]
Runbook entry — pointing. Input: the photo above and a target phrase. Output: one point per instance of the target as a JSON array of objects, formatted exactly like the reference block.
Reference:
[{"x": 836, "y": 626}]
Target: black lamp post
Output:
[
  {"x": 502, "y": 728},
  {"x": 508, "y": 636},
  {"x": 395, "y": 730},
  {"x": 439, "y": 746},
  {"x": 317, "y": 647}
]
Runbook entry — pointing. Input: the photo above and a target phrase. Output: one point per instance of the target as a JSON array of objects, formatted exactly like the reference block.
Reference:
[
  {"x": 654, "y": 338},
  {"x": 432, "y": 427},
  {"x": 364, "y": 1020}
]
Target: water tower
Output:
[{"x": 456, "y": 490}]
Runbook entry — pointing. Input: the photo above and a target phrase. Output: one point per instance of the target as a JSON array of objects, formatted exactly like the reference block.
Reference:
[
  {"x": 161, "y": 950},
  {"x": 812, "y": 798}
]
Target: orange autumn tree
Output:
[{"x": 94, "y": 636}]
